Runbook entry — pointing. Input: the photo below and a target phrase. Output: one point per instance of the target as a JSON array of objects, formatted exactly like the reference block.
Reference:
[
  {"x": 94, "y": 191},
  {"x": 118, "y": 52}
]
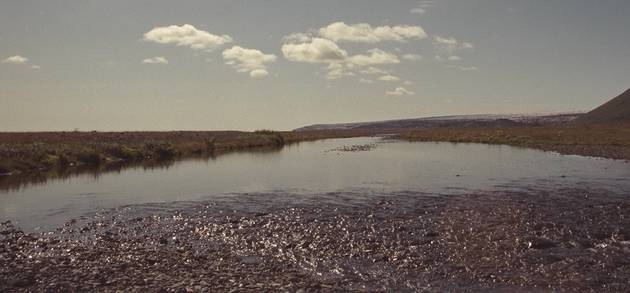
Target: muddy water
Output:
[{"x": 312, "y": 168}]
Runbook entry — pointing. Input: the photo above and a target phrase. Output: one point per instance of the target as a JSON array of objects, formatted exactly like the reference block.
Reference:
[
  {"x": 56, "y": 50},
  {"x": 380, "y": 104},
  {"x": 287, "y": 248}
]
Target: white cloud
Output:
[
  {"x": 310, "y": 47},
  {"x": 297, "y": 38},
  {"x": 317, "y": 50},
  {"x": 187, "y": 36},
  {"x": 375, "y": 57},
  {"x": 338, "y": 73},
  {"x": 373, "y": 70},
  {"x": 366, "y": 81},
  {"x": 418, "y": 10},
  {"x": 469, "y": 68},
  {"x": 248, "y": 60},
  {"x": 365, "y": 33},
  {"x": 339, "y": 70},
  {"x": 454, "y": 58},
  {"x": 422, "y": 8},
  {"x": 155, "y": 60},
  {"x": 406, "y": 82},
  {"x": 451, "y": 44},
  {"x": 36, "y": 67},
  {"x": 463, "y": 68},
  {"x": 257, "y": 73},
  {"x": 17, "y": 59},
  {"x": 389, "y": 77},
  {"x": 400, "y": 91},
  {"x": 412, "y": 57}
]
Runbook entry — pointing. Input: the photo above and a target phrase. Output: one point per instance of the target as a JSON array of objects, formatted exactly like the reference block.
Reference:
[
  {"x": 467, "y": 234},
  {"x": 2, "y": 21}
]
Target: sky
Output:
[{"x": 246, "y": 65}]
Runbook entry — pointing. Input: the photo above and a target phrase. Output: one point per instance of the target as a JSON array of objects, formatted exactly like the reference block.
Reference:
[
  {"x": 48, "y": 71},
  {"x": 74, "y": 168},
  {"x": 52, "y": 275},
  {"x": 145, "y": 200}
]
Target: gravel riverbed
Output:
[{"x": 565, "y": 240}]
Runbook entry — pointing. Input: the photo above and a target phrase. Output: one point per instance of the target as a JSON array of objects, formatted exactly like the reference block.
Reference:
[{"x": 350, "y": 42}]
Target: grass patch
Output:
[{"x": 610, "y": 141}]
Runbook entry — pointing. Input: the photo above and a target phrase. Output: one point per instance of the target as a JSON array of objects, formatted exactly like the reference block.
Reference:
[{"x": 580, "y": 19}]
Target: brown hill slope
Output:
[{"x": 615, "y": 110}]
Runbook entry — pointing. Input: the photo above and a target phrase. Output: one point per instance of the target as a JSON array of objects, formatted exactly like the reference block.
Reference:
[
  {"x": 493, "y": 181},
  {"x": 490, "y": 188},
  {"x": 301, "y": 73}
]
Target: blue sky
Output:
[{"x": 207, "y": 65}]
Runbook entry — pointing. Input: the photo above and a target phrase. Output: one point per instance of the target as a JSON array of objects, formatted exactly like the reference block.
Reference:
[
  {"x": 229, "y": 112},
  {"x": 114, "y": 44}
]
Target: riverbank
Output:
[
  {"x": 62, "y": 151},
  {"x": 606, "y": 141},
  {"x": 563, "y": 240}
]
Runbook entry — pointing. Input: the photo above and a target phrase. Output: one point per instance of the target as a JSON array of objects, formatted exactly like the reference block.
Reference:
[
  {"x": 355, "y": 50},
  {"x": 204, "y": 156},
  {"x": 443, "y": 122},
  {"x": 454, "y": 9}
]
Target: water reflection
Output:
[
  {"x": 23, "y": 181},
  {"x": 305, "y": 169}
]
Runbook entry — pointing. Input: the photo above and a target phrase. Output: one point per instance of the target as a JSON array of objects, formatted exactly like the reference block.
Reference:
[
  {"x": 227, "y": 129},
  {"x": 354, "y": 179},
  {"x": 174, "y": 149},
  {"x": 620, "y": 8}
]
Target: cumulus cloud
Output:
[
  {"x": 451, "y": 44},
  {"x": 17, "y": 59},
  {"x": 400, "y": 91},
  {"x": 412, "y": 57},
  {"x": 248, "y": 60},
  {"x": 187, "y": 36},
  {"x": 375, "y": 57},
  {"x": 389, "y": 77},
  {"x": 320, "y": 46},
  {"x": 339, "y": 70},
  {"x": 155, "y": 60},
  {"x": 316, "y": 50},
  {"x": 365, "y": 33},
  {"x": 364, "y": 80},
  {"x": 454, "y": 58},
  {"x": 297, "y": 38}
]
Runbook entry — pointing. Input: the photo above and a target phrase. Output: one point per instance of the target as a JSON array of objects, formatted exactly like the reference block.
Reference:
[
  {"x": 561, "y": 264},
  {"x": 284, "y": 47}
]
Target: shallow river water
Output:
[{"x": 309, "y": 169}]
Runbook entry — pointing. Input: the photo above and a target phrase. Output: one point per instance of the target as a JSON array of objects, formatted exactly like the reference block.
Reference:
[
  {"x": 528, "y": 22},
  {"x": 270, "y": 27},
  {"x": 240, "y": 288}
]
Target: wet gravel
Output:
[{"x": 565, "y": 240}]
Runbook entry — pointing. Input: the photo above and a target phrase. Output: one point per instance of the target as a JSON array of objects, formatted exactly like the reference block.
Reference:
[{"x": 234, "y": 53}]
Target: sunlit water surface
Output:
[{"x": 311, "y": 168}]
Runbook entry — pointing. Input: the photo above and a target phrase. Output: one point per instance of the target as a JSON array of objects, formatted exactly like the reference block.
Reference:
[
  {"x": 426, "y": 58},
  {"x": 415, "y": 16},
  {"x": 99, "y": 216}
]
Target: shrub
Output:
[
  {"x": 4, "y": 168},
  {"x": 90, "y": 158},
  {"x": 162, "y": 150},
  {"x": 126, "y": 153}
]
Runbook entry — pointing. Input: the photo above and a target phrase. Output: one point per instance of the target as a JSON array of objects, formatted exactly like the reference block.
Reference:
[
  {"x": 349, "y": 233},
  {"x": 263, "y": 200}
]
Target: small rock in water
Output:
[{"x": 432, "y": 234}]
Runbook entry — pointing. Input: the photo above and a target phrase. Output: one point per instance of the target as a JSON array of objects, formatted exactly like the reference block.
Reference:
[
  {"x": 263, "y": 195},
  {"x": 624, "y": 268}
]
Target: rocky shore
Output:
[{"x": 563, "y": 240}]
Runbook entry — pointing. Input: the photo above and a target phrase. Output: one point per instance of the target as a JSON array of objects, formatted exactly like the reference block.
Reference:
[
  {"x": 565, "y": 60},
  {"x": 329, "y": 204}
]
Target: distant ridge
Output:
[
  {"x": 613, "y": 111},
  {"x": 458, "y": 121}
]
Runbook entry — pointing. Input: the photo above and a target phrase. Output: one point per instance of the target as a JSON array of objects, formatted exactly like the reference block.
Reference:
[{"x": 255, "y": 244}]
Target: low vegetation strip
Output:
[
  {"x": 40, "y": 151},
  {"x": 607, "y": 141}
]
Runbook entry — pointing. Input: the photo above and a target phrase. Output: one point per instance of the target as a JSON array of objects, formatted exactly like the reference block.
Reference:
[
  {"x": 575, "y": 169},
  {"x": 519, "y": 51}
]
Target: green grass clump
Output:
[
  {"x": 265, "y": 131},
  {"x": 126, "y": 153},
  {"x": 50, "y": 160}
]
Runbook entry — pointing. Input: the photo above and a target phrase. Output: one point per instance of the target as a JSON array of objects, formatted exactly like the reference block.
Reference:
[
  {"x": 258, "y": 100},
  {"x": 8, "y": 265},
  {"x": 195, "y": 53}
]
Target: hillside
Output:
[{"x": 613, "y": 111}]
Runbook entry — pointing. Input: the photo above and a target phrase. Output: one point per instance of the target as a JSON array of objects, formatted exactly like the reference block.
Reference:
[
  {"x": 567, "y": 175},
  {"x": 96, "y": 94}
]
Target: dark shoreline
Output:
[
  {"x": 66, "y": 152},
  {"x": 564, "y": 240}
]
